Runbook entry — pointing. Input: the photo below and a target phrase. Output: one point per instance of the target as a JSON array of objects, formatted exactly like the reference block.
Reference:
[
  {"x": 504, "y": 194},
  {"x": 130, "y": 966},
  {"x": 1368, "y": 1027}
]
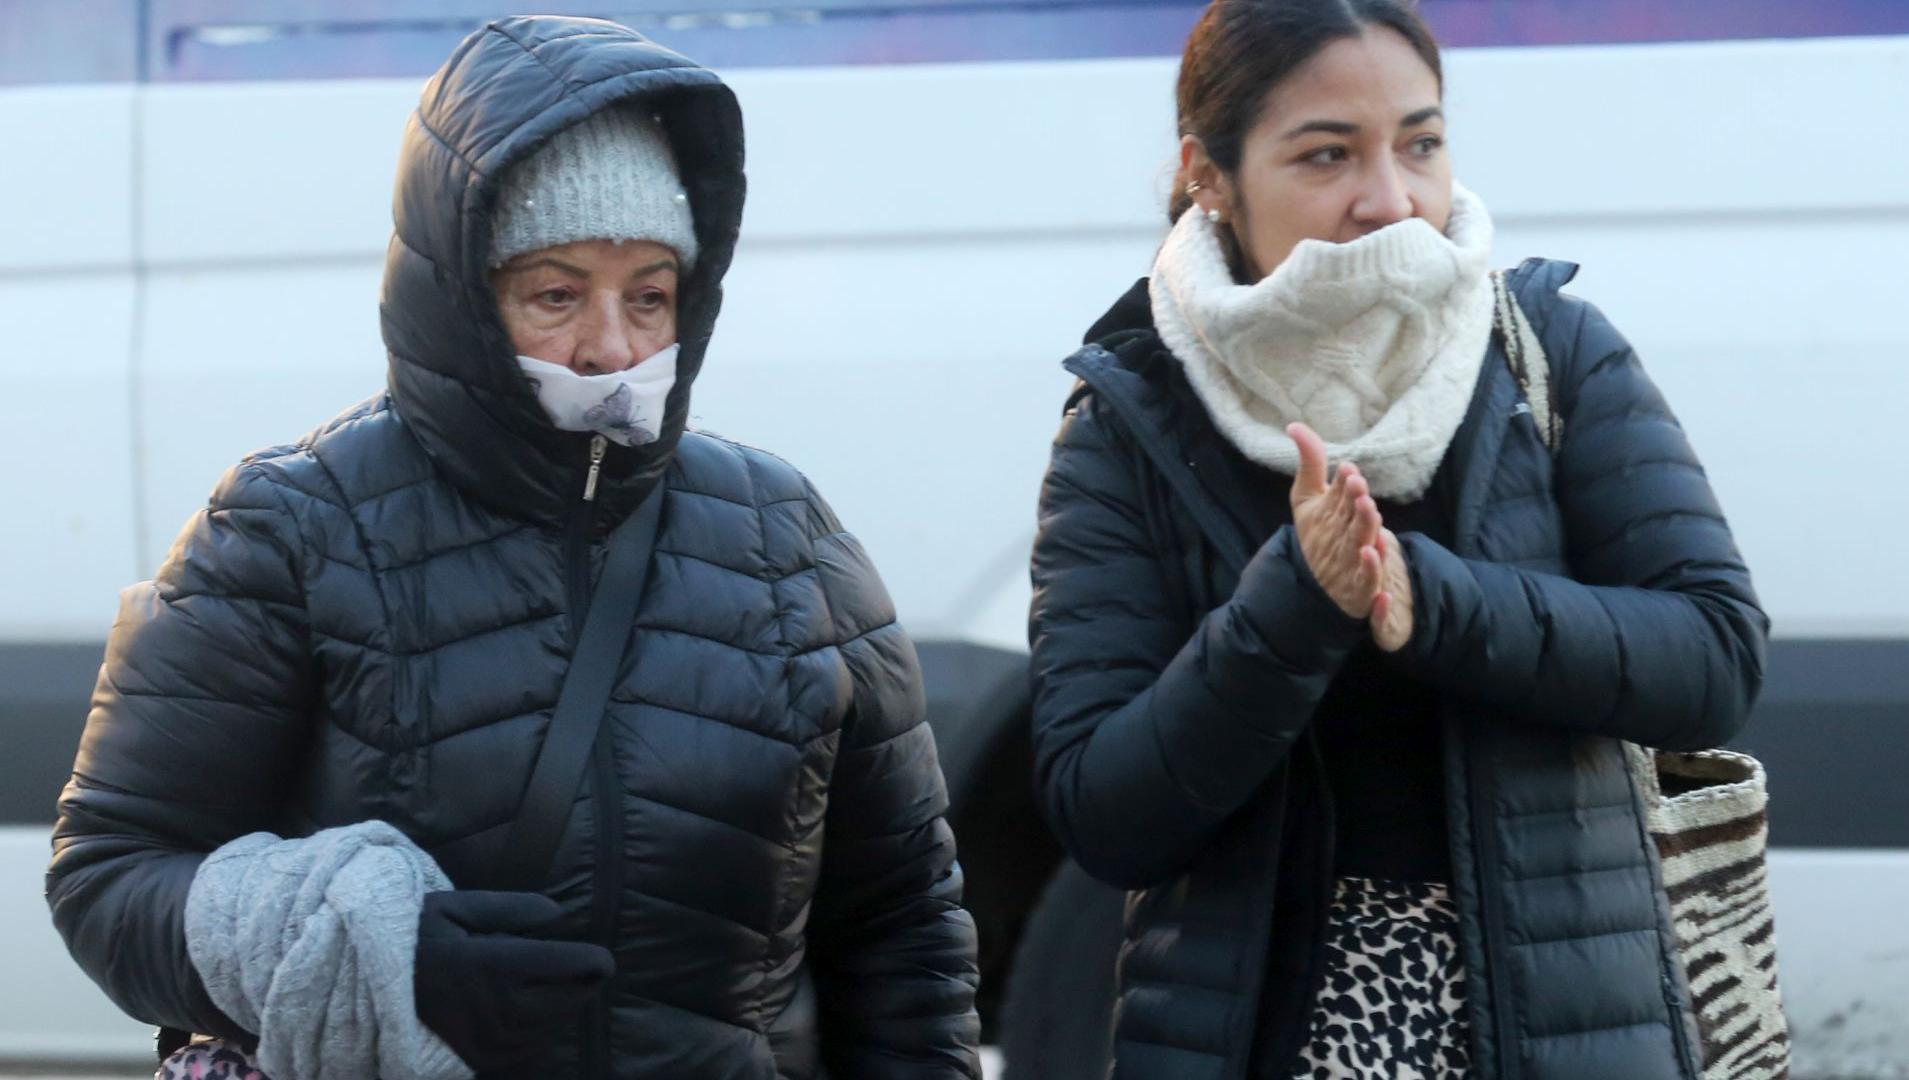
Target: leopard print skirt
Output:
[{"x": 1392, "y": 1005}]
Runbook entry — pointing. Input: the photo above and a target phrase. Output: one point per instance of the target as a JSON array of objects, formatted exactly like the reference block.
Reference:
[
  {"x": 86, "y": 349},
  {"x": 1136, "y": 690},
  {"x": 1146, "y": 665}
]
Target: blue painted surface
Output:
[{"x": 68, "y": 41}]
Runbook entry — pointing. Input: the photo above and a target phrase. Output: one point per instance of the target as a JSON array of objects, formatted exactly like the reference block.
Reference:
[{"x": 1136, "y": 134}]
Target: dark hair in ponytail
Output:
[{"x": 1241, "y": 49}]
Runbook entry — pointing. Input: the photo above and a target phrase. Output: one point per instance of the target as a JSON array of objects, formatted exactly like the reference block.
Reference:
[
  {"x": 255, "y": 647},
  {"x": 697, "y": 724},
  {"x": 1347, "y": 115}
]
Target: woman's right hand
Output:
[
  {"x": 1338, "y": 525},
  {"x": 491, "y": 986}
]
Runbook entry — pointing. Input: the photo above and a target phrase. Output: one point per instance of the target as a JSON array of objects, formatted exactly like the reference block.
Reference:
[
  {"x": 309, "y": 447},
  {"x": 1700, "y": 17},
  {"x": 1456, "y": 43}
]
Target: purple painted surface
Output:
[
  {"x": 45, "y": 41},
  {"x": 942, "y": 33},
  {"x": 1609, "y": 22},
  {"x": 75, "y": 41}
]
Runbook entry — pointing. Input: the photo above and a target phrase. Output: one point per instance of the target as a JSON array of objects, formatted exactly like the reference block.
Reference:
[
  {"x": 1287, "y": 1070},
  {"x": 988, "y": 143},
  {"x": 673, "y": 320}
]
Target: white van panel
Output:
[
  {"x": 1667, "y": 130},
  {"x": 67, "y": 303},
  {"x": 919, "y": 386},
  {"x": 53, "y": 1011},
  {"x": 67, "y": 180},
  {"x": 1002, "y": 151},
  {"x": 239, "y": 359},
  {"x": 67, "y": 445},
  {"x": 292, "y": 171}
]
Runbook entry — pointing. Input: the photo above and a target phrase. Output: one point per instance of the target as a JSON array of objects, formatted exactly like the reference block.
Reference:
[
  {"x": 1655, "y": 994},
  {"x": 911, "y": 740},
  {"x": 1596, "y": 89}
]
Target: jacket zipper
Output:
[
  {"x": 576, "y": 559},
  {"x": 1484, "y": 821},
  {"x": 607, "y": 885},
  {"x": 598, "y": 444}
]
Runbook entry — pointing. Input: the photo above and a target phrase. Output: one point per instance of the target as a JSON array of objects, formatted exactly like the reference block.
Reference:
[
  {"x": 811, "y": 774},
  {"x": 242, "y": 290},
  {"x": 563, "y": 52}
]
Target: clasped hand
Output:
[
  {"x": 1350, "y": 552},
  {"x": 490, "y": 982}
]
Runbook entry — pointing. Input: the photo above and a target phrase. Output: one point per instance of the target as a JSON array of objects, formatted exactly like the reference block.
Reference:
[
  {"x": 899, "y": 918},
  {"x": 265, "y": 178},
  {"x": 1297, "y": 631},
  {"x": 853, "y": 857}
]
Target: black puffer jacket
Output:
[
  {"x": 375, "y": 623},
  {"x": 1179, "y": 652}
]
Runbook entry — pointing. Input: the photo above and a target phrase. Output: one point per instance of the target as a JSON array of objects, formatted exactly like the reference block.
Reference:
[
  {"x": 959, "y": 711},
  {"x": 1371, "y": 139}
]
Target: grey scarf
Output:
[{"x": 311, "y": 943}]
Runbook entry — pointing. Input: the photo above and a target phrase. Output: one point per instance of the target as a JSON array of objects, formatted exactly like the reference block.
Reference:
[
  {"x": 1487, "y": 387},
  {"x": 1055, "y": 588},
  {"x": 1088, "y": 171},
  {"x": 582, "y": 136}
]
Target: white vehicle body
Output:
[{"x": 190, "y": 270}]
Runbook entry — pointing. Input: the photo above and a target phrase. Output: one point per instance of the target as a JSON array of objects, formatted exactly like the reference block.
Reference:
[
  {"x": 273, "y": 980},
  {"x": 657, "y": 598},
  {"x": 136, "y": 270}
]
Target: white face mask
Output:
[{"x": 624, "y": 406}]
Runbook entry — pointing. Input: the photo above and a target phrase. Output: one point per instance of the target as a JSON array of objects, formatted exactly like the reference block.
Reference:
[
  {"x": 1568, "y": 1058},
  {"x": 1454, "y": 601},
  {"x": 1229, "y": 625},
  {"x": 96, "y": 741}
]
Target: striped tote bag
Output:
[{"x": 1707, "y": 813}]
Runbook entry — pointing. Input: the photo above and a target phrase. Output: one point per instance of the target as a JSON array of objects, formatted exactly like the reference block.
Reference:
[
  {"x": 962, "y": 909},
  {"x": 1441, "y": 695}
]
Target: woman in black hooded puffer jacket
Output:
[
  {"x": 373, "y": 623},
  {"x": 1353, "y": 738}
]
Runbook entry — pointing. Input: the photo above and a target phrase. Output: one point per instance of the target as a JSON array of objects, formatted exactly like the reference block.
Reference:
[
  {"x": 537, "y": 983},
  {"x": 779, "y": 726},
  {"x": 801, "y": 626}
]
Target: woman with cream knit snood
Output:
[
  {"x": 1337, "y": 632},
  {"x": 318, "y": 731}
]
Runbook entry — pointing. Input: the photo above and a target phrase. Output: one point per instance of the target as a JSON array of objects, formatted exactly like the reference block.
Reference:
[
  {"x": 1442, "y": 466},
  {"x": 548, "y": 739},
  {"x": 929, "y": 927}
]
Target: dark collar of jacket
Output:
[
  {"x": 1125, "y": 363},
  {"x": 452, "y": 374}
]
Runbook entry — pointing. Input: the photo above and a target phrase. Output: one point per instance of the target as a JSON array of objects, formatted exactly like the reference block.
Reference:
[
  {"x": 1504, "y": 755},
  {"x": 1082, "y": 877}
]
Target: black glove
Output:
[{"x": 493, "y": 991}]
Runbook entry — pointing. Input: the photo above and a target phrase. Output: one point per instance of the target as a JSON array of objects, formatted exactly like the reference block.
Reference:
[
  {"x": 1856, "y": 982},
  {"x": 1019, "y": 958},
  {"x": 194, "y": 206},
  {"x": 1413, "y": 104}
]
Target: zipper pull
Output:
[{"x": 598, "y": 444}]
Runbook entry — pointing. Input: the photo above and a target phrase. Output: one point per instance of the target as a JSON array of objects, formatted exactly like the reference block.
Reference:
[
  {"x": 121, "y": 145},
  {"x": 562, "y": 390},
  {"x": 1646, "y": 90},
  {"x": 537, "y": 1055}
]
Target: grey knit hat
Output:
[{"x": 611, "y": 177}]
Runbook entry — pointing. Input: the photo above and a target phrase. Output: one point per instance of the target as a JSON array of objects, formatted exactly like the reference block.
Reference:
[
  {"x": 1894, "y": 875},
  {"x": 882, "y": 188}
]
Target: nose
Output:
[
  {"x": 1383, "y": 198},
  {"x": 605, "y": 342}
]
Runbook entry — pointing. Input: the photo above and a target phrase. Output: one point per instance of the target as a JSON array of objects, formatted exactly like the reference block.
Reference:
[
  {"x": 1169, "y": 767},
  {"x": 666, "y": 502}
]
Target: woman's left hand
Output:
[{"x": 1392, "y": 608}]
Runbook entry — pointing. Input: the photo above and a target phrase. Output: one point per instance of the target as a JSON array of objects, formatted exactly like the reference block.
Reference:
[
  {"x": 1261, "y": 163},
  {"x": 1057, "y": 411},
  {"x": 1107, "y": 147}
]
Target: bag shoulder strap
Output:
[
  {"x": 554, "y": 780},
  {"x": 1515, "y": 336}
]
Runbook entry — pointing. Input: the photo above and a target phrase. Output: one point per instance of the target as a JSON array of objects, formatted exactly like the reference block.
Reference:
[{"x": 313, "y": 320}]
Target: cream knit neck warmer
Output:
[{"x": 1375, "y": 343}]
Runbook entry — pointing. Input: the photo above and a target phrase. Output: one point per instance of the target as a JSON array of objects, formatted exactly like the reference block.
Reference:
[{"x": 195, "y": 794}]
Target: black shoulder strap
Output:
[{"x": 552, "y": 790}]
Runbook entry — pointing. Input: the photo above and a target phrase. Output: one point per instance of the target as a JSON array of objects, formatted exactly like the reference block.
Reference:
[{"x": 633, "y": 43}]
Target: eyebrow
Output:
[
  {"x": 660, "y": 264},
  {"x": 1322, "y": 127},
  {"x": 547, "y": 260},
  {"x": 666, "y": 263},
  {"x": 1340, "y": 127}
]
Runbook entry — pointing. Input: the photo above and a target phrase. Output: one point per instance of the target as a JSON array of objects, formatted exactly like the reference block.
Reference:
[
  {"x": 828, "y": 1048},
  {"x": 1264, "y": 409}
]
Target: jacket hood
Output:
[{"x": 505, "y": 90}]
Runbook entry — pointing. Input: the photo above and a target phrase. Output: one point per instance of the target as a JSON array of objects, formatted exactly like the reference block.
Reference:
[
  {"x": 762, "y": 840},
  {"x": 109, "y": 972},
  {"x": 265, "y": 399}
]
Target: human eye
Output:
[
  {"x": 555, "y": 297},
  {"x": 650, "y": 299},
  {"x": 1326, "y": 155},
  {"x": 1427, "y": 145}
]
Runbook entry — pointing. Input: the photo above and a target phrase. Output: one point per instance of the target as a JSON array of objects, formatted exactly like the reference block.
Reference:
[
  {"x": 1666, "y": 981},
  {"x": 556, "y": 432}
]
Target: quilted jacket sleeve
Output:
[
  {"x": 196, "y": 720},
  {"x": 892, "y": 949},
  {"x": 1149, "y": 732},
  {"x": 1659, "y": 638}
]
